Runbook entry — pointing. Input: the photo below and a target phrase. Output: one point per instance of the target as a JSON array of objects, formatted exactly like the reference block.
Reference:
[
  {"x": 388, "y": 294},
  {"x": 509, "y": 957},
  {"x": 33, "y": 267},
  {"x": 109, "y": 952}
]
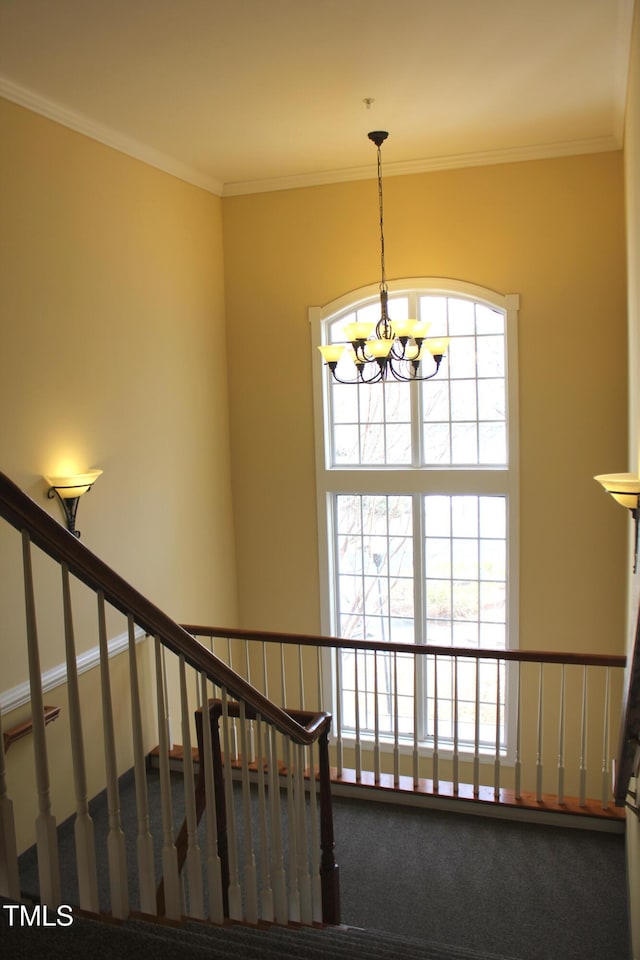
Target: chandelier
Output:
[{"x": 386, "y": 348}]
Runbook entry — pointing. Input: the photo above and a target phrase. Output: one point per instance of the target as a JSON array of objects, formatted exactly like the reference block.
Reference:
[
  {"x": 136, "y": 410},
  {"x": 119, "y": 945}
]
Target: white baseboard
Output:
[{"x": 21, "y": 694}]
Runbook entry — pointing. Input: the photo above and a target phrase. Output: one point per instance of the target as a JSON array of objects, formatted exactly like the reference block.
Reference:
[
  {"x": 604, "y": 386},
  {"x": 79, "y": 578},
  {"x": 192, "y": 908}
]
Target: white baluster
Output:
[
  {"x": 304, "y": 878},
  {"x": 456, "y": 720},
  {"x": 518, "y": 758},
  {"x": 356, "y": 697},
  {"x": 496, "y": 761},
  {"x": 46, "y": 838},
  {"x": 266, "y": 892},
  {"x": 606, "y": 789},
  {"x": 233, "y": 751},
  {"x": 476, "y": 750},
  {"x": 116, "y": 853},
  {"x": 583, "y": 740},
  {"x": 316, "y": 887},
  {"x": 83, "y": 826},
  {"x": 250, "y": 876},
  {"x": 561, "y": 737},
  {"x": 9, "y": 875},
  {"x": 172, "y": 890},
  {"x": 436, "y": 731},
  {"x": 193, "y": 864},
  {"x": 301, "y": 676},
  {"x": 214, "y": 867},
  {"x": 252, "y": 734},
  {"x": 376, "y": 720},
  {"x": 416, "y": 759},
  {"x": 294, "y": 890},
  {"x": 283, "y": 677},
  {"x": 265, "y": 672},
  {"x": 278, "y": 874},
  {"x": 338, "y": 711},
  {"x": 539, "y": 750},
  {"x": 320, "y": 675},
  {"x": 168, "y": 721},
  {"x": 235, "y": 894},
  {"x": 144, "y": 840},
  {"x": 396, "y": 734}
]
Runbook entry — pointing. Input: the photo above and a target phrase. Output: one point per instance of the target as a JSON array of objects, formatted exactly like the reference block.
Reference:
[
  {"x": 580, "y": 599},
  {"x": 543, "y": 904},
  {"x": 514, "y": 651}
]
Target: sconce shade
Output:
[
  {"x": 74, "y": 485},
  {"x": 68, "y": 490},
  {"x": 623, "y": 487}
]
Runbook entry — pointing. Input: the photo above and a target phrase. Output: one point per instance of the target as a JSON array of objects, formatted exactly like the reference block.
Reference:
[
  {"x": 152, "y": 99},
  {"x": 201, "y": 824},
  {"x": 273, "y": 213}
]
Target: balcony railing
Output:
[{"x": 514, "y": 727}]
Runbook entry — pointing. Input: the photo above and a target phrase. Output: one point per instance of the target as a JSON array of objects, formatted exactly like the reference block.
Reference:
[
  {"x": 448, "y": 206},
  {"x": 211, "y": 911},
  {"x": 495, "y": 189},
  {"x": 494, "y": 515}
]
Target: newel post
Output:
[{"x": 329, "y": 870}]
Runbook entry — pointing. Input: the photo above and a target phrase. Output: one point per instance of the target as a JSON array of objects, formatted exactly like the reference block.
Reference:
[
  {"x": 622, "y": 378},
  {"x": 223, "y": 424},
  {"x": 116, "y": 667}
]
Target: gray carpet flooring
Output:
[{"x": 519, "y": 890}]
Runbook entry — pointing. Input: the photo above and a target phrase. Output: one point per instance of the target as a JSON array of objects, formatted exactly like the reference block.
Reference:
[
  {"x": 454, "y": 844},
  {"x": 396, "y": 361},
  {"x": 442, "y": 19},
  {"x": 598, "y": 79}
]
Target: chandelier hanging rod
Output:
[{"x": 387, "y": 348}]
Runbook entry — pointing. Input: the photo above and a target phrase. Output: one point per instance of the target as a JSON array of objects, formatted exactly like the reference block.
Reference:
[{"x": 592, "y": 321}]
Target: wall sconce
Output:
[
  {"x": 68, "y": 490},
  {"x": 625, "y": 488}
]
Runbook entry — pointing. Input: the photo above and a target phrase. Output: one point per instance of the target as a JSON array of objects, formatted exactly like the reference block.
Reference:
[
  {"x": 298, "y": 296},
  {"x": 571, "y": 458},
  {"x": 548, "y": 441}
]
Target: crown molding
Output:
[
  {"x": 544, "y": 151},
  {"x": 161, "y": 161},
  {"x": 108, "y": 136}
]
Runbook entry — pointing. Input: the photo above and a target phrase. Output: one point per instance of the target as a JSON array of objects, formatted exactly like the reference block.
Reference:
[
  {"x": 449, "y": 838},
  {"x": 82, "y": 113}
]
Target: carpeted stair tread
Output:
[
  {"x": 89, "y": 938},
  {"x": 301, "y": 943},
  {"x": 195, "y": 940}
]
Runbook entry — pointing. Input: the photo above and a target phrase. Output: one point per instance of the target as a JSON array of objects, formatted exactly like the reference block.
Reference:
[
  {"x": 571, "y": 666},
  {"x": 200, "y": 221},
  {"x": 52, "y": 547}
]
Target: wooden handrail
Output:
[
  {"x": 309, "y": 640},
  {"x": 26, "y": 727},
  {"x": 24, "y": 514}
]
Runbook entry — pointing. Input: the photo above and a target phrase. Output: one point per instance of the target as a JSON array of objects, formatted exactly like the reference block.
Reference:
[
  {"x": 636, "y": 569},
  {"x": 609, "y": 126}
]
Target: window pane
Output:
[
  {"x": 490, "y": 352},
  {"x": 434, "y": 309},
  {"x": 346, "y": 444},
  {"x": 470, "y": 590},
  {"x": 488, "y": 320},
  {"x": 464, "y": 443},
  {"x": 374, "y": 560},
  {"x": 437, "y": 444},
  {"x": 491, "y": 400},
  {"x": 463, "y": 400},
  {"x": 438, "y": 557},
  {"x": 462, "y": 357},
  {"x": 461, "y": 317},
  {"x": 435, "y": 400},
  {"x": 345, "y": 404},
  {"x": 492, "y": 443}
]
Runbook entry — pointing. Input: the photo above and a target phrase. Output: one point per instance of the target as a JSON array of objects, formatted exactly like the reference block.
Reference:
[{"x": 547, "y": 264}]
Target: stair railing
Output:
[
  {"x": 518, "y": 728},
  {"x": 257, "y": 877}
]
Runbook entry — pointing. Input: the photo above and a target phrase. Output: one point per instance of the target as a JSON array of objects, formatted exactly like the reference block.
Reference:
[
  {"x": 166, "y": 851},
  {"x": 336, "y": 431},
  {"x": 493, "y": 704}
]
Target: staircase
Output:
[
  {"x": 262, "y": 868},
  {"x": 135, "y": 938}
]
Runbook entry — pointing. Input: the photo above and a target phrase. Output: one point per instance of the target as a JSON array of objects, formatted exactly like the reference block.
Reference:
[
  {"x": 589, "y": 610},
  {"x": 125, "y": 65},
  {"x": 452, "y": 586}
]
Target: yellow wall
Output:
[
  {"x": 113, "y": 350},
  {"x": 551, "y": 231},
  {"x": 112, "y": 356},
  {"x": 632, "y": 198}
]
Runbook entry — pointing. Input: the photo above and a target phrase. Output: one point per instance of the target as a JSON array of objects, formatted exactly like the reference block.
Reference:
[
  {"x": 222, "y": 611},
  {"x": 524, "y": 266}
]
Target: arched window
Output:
[{"x": 417, "y": 482}]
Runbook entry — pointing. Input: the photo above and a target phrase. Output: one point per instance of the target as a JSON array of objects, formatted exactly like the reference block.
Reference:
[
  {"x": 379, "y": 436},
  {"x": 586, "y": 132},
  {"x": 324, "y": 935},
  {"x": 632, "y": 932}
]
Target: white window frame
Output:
[{"x": 384, "y": 479}]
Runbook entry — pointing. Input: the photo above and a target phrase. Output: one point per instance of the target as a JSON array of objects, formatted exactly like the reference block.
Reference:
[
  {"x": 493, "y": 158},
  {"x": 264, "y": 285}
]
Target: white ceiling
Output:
[{"x": 243, "y": 95}]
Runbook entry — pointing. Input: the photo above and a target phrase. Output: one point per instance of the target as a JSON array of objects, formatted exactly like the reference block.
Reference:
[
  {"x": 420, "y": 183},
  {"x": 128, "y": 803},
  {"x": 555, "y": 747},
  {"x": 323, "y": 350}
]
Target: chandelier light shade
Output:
[{"x": 386, "y": 349}]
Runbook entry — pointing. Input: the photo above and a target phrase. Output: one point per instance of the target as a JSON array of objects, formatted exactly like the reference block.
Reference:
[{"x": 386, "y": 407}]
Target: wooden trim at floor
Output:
[
  {"x": 524, "y": 807},
  {"x": 486, "y": 795}
]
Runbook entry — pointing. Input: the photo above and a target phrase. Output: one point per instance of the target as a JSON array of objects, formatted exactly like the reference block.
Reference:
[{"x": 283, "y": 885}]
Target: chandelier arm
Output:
[{"x": 409, "y": 378}]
